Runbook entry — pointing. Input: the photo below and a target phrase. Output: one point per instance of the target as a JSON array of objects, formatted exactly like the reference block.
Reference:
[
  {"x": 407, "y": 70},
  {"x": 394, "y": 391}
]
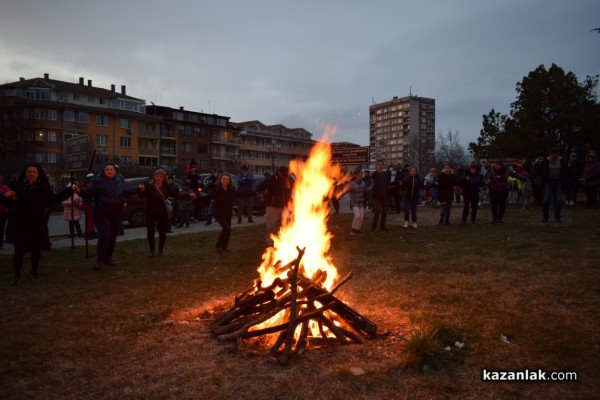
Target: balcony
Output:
[
  {"x": 148, "y": 152},
  {"x": 168, "y": 135},
  {"x": 225, "y": 140},
  {"x": 223, "y": 155},
  {"x": 168, "y": 152},
  {"x": 148, "y": 135}
]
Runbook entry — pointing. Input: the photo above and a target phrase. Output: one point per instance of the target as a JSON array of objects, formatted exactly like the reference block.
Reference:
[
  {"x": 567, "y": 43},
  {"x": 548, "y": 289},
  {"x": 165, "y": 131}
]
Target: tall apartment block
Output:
[{"x": 402, "y": 130}]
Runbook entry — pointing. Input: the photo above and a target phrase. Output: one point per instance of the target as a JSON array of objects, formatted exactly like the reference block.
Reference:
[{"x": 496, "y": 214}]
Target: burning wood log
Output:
[{"x": 301, "y": 302}]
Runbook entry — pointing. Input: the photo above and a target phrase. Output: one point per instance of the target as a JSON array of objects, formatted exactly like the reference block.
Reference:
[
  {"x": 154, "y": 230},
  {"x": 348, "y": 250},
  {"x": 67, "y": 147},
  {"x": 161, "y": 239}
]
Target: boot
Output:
[
  {"x": 383, "y": 218},
  {"x": 375, "y": 219}
]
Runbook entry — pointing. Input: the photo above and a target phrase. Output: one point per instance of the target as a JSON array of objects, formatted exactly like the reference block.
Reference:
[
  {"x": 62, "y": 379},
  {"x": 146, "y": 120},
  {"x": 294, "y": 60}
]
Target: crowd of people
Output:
[{"x": 25, "y": 202}]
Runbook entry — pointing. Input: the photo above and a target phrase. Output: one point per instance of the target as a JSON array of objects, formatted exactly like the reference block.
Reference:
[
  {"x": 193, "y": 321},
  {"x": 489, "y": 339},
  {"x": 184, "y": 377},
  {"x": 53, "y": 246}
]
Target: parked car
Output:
[{"x": 134, "y": 211}]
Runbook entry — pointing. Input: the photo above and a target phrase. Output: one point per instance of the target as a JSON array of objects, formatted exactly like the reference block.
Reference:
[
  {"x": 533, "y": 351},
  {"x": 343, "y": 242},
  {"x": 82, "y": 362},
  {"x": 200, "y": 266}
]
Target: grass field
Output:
[{"x": 519, "y": 295}]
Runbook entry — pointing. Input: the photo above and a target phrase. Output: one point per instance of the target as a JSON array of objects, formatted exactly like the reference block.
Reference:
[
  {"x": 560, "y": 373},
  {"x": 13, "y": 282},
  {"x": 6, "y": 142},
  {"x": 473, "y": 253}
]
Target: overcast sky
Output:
[{"x": 303, "y": 64}]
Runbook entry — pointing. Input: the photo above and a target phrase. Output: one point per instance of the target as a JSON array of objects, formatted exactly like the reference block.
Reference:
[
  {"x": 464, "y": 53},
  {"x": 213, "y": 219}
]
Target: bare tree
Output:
[{"x": 449, "y": 150}]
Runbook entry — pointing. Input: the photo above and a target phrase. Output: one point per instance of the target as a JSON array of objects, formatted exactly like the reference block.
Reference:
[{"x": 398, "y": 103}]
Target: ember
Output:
[{"x": 296, "y": 299}]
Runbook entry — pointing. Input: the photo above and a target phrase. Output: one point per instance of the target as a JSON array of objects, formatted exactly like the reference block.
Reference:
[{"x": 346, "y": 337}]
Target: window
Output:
[
  {"x": 63, "y": 97},
  {"x": 91, "y": 99},
  {"x": 39, "y": 113},
  {"x": 76, "y": 116},
  {"x": 51, "y": 136},
  {"x": 51, "y": 158},
  {"x": 186, "y": 147},
  {"x": 187, "y": 131},
  {"x": 52, "y": 115},
  {"x": 148, "y": 161},
  {"x": 76, "y": 97},
  {"x": 102, "y": 140},
  {"x": 40, "y": 136},
  {"x": 40, "y": 157},
  {"x": 125, "y": 123},
  {"x": 101, "y": 120},
  {"x": 125, "y": 142}
]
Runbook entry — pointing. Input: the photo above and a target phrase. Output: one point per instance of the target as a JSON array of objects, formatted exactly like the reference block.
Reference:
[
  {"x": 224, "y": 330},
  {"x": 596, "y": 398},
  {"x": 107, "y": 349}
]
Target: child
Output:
[
  {"x": 357, "y": 189},
  {"x": 73, "y": 214}
]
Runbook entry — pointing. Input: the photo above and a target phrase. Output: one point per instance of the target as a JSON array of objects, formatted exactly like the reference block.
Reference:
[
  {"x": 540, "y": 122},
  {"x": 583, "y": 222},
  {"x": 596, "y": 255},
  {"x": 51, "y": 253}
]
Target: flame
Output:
[{"x": 304, "y": 223}]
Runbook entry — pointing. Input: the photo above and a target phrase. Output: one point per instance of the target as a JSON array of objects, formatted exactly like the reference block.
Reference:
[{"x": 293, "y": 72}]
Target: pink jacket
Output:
[{"x": 78, "y": 202}]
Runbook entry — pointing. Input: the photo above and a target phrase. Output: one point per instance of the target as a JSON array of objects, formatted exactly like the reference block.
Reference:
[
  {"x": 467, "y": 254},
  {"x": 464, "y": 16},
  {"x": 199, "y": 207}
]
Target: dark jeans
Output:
[
  {"x": 223, "y": 240},
  {"x": 380, "y": 207},
  {"x": 552, "y": 194},
  {"x": 498, "y": 200},
  {"x": 154, "y": 222},
  {"x": 410, "y": 207},
  {"x": 396, "y": 197},
  {"x": 74, "y": 226},
  {"x": 36, "y": 255},
  {"x": 471, "y": 201},
  {"x": 108, "y": 227}
]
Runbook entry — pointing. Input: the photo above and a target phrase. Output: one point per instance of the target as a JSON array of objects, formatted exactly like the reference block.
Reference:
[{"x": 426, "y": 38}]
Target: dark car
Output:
[{"x": 134, "y": 211}]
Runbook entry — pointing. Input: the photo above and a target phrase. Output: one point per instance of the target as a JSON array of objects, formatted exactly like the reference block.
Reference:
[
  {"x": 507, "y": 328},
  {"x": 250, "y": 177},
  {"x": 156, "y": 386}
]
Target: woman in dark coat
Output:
[
  {"x": 156, "y": 192},
  {"x": 30, "y": 198},
  {"x": 108, "y": 191},
  {"x": 445, "y": 183},
  {"x": 223, "y": 195},
  {"x": 471, "y": 183}
]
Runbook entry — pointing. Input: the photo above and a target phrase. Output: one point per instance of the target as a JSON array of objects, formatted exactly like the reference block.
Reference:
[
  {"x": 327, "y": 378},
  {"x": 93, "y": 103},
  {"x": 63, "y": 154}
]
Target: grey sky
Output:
[{"x": 303, "y": 64}]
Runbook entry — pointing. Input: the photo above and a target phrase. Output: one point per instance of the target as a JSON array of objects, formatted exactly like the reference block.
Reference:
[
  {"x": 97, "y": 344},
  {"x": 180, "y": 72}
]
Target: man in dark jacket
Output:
[
  {"x": 279, "y": 190},
  {"x": 380, "y": 195},
  {"x": 552, "y": 172}
]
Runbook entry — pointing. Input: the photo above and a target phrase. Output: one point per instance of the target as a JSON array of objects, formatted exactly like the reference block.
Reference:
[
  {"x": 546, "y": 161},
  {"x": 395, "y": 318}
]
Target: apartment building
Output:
[
  {"x": 402, "y": 130},
  {"x": 263, "y": 148},
  {"x": 38, "y": 115},
  {"x": 192, "y": 138}
]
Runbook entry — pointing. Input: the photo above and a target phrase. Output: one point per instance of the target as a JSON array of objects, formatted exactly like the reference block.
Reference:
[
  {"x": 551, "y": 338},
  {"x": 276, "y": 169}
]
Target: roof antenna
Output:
[{"x": 410, "y": 90}]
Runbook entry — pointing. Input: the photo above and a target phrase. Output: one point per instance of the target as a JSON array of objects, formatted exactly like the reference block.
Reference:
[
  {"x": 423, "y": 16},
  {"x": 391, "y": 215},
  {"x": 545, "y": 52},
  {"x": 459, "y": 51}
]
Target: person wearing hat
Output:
[
  {"x": 497, "y": 182},
  {"x": 245, "y": 192},
  {"x": 553, "y": 172}
]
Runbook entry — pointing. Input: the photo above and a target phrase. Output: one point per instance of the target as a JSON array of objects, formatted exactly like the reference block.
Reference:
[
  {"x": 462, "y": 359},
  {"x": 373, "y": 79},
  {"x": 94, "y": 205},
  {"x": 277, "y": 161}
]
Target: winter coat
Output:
[
  {"x": 72, "y": 213},
  {"x": 445, "y": 184},
  {"x": 108, "y": 194},
  {"x": 245, "y": 185},
  {"x": 381, "y": 180},
  {"x": 223, "y": 202},
  {"x": 155, "y": 198},
  {"x": 591, "y": 171},
  {"x": 279, "y": 190},
  {"x": 471, "y": 184},
  {"x": 29, "y": 224},
  {"x": 411, "y": 186},
  {"x": 499, "y": 179},
  {"x": 357, "y": 192},
  {"x": 3, "y": 189}
]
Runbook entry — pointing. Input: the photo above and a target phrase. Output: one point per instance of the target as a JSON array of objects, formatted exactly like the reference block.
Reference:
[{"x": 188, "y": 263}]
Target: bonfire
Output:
[{"x": 292, "y": 306}]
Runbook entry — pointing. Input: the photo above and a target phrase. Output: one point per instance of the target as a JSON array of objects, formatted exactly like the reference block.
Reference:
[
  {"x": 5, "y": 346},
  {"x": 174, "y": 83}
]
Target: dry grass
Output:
[{"x": 78, "y": 334}]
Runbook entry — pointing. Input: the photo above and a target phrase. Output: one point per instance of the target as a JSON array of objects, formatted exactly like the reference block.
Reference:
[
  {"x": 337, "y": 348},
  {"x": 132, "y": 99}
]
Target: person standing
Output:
[
  {"x": 471, "y": 183},
  {"x": 497, "y": 182},
  {"x": 572, "y": 179},
  {"x": 429, "y": 186},
  {"x": 590, "y": 179},
  {"x": 29, "y": 198},
  {"x": 72, "y": 214},
  {"x": 357, "y": 189},
  {"x": 211, "y": 182},
  {"x": 108, "y": 193},
  {"x": 380, "y": 195},
  {"x": 173, "y": 190},
  {"x": 279, "y": 191},
  {"x": 3, "y": 212},
  {"x": 223, "y": 195},
  {"x": 445, "y": 183},
  {"x": 196, "y": 185},
  {"x": 185, "y": 205},
  {"x": 157, "y": 193},
  {"x": 394, "y": 188},
  {"x": 412, "y": 186},
  {"x": 553, "y": 171},
  {"x": 245, "y": 193}
]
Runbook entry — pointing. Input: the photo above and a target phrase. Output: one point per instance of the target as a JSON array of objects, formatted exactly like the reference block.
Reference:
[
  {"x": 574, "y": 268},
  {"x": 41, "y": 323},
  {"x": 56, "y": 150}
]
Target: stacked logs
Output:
[{"x": 302, "y": 300}]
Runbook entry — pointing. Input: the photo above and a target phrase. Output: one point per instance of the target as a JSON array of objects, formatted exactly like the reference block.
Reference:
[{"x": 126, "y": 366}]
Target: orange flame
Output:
[{"x": 304, "y": 223}]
